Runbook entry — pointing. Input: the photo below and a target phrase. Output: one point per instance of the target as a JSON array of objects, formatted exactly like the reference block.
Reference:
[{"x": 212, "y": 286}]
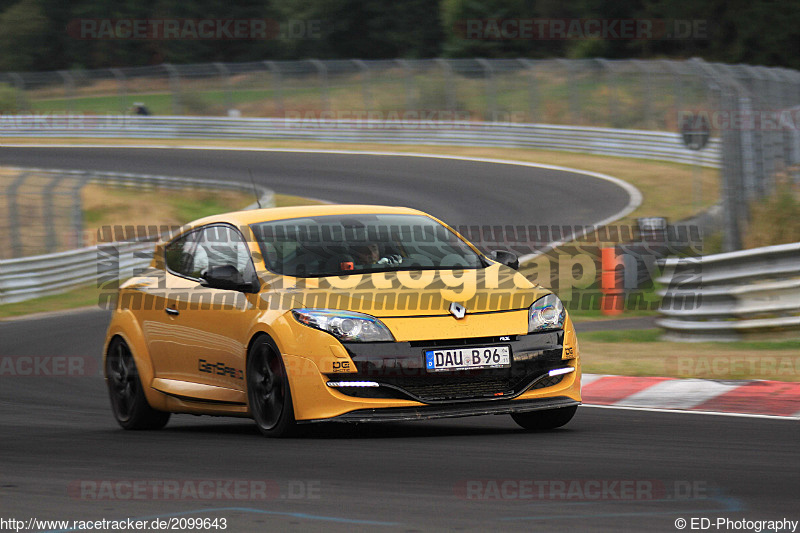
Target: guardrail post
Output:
[
  {"x": 647, "y": 92},
  {"x": 175, "y": 88},
  {"x": 572, "y": 96},
  {"x": 733, "y": 149},
  {"x": 611, "y": 82},
  {"x": 408, "y": 81},
  {"x": 13, "y": 214},
  {"x": 530, "y": 67},
  {"x": 449, "y": 84},
  {"x": 758, "y": 143},
  {"x": 795, "y": 160},
  {"x": 779, "y": 162},
  {"x": 51, "y": 237},
  {"x": 69, "y": 87},
  {"x": 19, "y": 85},
  {"x": 677, "y": 89},
  {"x": 277, "y": 85},
  {"x": 226, "y": 81},
  {"x": 491, "y": 103},
  {"x": 751, "y": 165},
  {"x": 77, "y": 209},
  {"x": 366, "y": 93},
  {"x": 322, "y": 71},
  {"x": 776, "y": 95},
  {"x": 122, "y": 89},
  {"x": 787, "y": 143}
]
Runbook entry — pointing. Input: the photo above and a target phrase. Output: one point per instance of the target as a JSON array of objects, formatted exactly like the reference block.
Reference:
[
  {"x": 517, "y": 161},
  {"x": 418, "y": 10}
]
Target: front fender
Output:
[{"x": 124, "y": 324}]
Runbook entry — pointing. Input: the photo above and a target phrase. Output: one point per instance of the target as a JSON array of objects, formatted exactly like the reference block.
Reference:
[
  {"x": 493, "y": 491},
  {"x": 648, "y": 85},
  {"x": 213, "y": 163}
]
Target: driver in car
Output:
[{"x": 370, "y": 255}]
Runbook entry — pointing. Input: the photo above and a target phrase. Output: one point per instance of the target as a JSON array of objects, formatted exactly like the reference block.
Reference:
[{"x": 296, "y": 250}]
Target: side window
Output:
[
  {"x": 179, "y": 254},
  {"x": 221, "y": 245}
]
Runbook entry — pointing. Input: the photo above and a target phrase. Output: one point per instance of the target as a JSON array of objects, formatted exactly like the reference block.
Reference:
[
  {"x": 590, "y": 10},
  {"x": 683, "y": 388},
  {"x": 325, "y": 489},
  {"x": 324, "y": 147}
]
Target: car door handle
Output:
[{"x": 171, "y": 311}]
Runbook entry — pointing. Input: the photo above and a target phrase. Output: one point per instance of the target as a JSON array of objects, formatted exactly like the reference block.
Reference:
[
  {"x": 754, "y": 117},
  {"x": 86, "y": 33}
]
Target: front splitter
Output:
[{"x": 428, "y": 412}]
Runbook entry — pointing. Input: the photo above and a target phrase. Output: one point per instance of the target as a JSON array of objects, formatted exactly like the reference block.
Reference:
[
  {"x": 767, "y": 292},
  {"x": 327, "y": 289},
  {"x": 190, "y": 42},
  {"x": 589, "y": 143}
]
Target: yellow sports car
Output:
[{"x": 346, "y": 313}]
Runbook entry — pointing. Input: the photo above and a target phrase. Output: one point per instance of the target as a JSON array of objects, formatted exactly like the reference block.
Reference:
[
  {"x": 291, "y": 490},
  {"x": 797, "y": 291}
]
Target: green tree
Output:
[
  {"x": 368, "y": 29},
  {"x": 21, "y": 28},
  {"x": 9, "y": 99},
  {"x": 35, "y": 34}
]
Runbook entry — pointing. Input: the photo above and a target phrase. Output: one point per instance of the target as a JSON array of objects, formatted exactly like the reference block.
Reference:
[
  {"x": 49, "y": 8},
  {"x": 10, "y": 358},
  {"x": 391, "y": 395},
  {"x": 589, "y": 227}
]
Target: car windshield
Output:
[{"x": 338, "y": 245}]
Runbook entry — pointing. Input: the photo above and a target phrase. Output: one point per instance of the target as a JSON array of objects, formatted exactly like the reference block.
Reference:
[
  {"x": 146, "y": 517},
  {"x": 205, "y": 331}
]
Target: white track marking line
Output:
[{"x": 685, "y": 412}]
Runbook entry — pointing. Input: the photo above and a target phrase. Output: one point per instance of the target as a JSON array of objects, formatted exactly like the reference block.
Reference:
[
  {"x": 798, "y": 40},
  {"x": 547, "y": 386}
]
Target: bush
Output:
[
  {"x": 195, "y": 104},
  {"x": 776, "y": 218},
  {"x": 9, "y": 103}
]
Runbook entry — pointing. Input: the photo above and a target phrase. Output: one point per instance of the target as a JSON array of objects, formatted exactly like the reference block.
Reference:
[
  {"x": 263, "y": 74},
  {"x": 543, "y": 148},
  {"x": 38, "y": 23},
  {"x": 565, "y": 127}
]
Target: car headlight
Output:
[
  {"x": 347, "y": 326},
  {"x": 546, "y": 313}
]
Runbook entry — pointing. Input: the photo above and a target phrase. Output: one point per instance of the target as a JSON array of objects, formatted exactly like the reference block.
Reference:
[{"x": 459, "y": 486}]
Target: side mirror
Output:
[
  {"x": 507, "y": 258},
  {"x": 227, "y": 277}
]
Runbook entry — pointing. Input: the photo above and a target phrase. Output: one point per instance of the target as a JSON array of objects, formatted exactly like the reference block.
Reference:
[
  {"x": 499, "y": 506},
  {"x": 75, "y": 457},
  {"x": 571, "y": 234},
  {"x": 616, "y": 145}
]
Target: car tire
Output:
[
  {"x": 547, "y": 419},
  {"x": 128, "y": 402},
  {"x": 268, "y": 393}
]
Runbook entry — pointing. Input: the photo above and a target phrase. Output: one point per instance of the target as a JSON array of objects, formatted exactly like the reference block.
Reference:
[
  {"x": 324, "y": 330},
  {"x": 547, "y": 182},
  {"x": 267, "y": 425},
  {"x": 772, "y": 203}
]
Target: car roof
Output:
[{"x": 254, "y": 216}]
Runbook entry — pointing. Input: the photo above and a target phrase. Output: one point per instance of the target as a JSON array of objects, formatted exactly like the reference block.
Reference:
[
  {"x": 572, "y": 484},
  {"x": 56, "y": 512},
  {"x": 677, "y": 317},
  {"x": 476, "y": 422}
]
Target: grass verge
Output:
[
  {"x": 642, "y": 353},
  {"x": 81, "y": 297},
  {"x": 109, "y": 206}
]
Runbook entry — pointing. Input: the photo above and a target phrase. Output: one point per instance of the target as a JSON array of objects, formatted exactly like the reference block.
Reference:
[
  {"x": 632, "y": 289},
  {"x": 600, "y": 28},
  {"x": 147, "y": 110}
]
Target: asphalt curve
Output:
[
  {"x": 63, "y": 457},
  {"x": 458, "y": 192}
]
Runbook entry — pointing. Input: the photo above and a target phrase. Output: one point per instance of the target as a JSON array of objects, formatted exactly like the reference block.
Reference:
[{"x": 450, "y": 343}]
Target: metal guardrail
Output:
[
  {"x": 31, "y": 277},
  {"x": 732, "y": 295},
  {"x": 149, "y": 181},
  {"x": 25, "y": 278},
  {"x": 662, "y": 146}
]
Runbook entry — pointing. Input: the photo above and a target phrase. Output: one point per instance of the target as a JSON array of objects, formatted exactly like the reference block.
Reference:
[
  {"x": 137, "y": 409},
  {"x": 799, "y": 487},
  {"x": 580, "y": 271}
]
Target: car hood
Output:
[{"x": 419, "y": 293}]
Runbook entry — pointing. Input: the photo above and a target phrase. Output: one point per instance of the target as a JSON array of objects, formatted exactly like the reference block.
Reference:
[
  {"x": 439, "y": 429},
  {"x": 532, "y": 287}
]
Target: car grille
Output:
[
  {"x": 449, "y": 389},
  {"x": 436, "y": 390},
  {"x": 549, "y": 381}
]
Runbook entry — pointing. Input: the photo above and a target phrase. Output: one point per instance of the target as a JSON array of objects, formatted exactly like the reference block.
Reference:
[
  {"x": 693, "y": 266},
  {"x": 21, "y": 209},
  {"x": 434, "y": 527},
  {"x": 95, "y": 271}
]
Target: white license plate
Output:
[{"x": 467, "y": 358}]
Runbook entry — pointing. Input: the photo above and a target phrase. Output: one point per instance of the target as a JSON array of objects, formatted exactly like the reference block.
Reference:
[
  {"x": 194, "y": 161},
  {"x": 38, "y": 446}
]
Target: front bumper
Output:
[
  {"x": 400, "y": 365},
  {"x": 428, "y": 412},
  {"x": 398, "y": 368}
]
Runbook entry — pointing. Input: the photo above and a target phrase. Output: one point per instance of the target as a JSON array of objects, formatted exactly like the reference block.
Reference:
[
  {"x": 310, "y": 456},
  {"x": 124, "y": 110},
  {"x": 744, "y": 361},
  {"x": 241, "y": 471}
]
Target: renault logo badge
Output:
[{"x": 458, "y": 310}]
